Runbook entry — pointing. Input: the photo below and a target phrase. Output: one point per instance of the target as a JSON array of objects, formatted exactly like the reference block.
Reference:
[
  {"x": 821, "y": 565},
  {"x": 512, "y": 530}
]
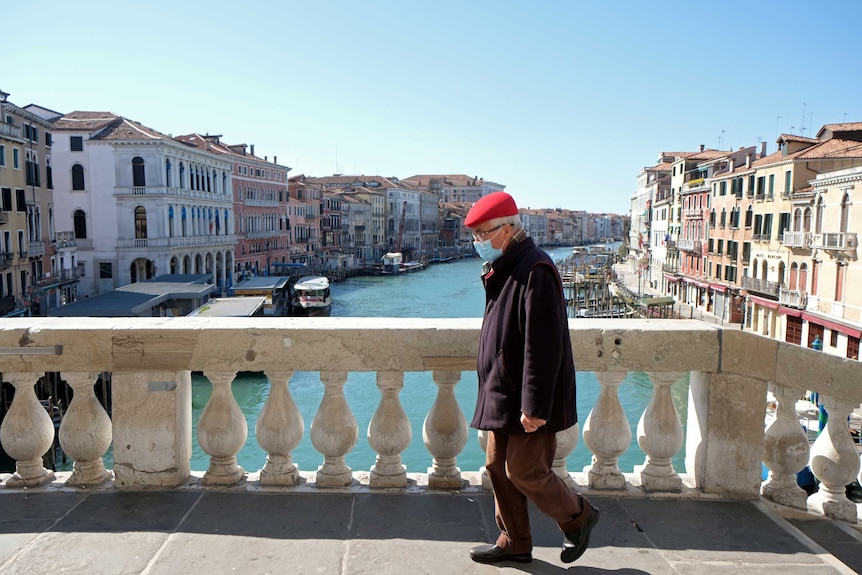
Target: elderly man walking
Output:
[{"x": 526, "y": 385}]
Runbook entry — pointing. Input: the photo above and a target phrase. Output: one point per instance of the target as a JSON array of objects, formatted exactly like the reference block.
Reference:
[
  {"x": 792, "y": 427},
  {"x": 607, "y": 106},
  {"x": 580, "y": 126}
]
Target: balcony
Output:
[
  {"x": 670, "y": 268},
  {"x": 65, "y": 240},
  {"x": 7, "y": 259},
  {"x": 4, "y": 217},
  {"x": 695, "y": 246},
  {"x": 151, "y": 361},
  {"x": 9, "y": 130},
  {"x": 834, "y": 241},
  {"x": 36, "y": 249},
  {"x": 761, "y": 286},
  {"x": 263, "y": 234},
  {"x": 796, "y": 239},
  {"x": 793, "y": 298},
  {"x": 693, "y": 213},
  {"x": 61, "y": 276}
]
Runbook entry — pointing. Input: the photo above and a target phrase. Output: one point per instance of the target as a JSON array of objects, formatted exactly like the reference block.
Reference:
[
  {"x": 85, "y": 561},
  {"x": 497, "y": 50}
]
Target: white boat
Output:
[{"x": 311, "y": 296}]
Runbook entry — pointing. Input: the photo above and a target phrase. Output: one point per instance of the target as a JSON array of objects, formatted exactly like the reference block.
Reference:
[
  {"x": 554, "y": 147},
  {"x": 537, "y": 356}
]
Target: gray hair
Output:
[{"x": 514, "y": 221}]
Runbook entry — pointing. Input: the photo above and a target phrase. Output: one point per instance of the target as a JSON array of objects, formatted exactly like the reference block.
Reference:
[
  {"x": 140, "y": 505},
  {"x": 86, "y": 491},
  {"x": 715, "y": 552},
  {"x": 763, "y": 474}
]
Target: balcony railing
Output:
[
  {"x": 7, "y": 259},
  {"x": 793, "y": 298},
  {"x": 151, "y": 360},
  {"x": 9, "y": 129},
  {"x": 65, "y": 240},
  {"x": 4, "y": 217},
  {"x": 839, "y": 241},
  {"x": 670, "y": 268},
  {"x": 36, "y": 249},
  {"x": 761, "y": 286},
  {"x": 695, "y": 246},
  {"x": 796, "y": 239}
]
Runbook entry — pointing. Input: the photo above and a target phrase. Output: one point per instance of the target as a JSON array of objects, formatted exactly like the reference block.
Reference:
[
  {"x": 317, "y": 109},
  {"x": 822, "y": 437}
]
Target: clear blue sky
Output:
[{"x": 564, "y": 102}]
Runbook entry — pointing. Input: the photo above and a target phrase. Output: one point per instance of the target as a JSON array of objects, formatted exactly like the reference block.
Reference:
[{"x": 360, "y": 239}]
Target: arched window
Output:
[
  {"x": 794, "y": 276},
  {"x": 139, "y": 179},
  {"x": 802, "y": 280},
  {"x": 168, "y": 172},
  {"x": 170, "y": 221},
  {"x": 764, "y": 268},
  {"x": 182, "y": 175},
  {"x": 754, "y": 268},
  {"x": 781, "y": 273},
  {"x": 78, "y": 177},
  {"x": 806, "y": 220},
  {"x": 797, "y": 220},
  {"x": 845, "y": 212},
  {"x": 749, "y": 216},
  {"x": 80, "y": 222},
  {"x": 140, "y": 222}
]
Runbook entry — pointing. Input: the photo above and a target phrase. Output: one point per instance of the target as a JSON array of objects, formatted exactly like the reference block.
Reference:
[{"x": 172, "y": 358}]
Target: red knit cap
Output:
[{"x": 495, "y": 205}]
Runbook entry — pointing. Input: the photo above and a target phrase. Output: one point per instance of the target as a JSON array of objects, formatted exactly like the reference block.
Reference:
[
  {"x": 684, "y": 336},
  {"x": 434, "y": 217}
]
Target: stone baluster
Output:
[
  {"x": 785, "y": 451},
  {"x": 567, "y": 440},
  {"x": 334, "y": 431},
  {"x": 27, "y": 432},
  {"x": 445, "y": 432},
  {"x": 660, "y": 436},
  {"x": 222, "y": 431},
  {"x": 279, "y": 430},
  {"x": 389, "y": 433},
  {"x": 607, "y": 433},
  {"x": 835, "y": 462},
  {"x": 85, "y": 433}
]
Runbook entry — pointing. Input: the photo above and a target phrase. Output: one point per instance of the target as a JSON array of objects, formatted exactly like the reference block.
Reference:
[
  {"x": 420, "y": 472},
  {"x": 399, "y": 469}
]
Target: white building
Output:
[{"x": 139, "y": 203}]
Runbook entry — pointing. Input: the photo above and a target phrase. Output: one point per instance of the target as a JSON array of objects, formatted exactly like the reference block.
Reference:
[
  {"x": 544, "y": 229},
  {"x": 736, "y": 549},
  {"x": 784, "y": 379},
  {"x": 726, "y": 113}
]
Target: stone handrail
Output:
[{"x": 151, "y": 360}]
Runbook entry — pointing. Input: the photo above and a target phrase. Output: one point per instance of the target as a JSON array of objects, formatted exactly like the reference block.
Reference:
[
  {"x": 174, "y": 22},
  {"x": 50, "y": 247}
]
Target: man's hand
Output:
[{"x": 531, "y": 424}]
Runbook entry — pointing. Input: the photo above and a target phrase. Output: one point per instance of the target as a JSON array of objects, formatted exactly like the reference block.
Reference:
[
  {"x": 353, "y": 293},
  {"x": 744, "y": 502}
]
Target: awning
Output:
[
  {"x": 833, "y": 325},
  {"x": 718, "y": 287},
  {"x": 790, "y": 311},
  {"x": 661, "y": 300},
  {"x": 696, "y": 283},
  {"x": 772, "y": 304},
  {"x": 671, "y": 278}
]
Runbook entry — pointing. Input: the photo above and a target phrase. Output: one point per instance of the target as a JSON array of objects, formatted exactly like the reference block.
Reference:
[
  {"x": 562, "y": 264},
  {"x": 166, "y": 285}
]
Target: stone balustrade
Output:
[{"x": 151, "y": 361}]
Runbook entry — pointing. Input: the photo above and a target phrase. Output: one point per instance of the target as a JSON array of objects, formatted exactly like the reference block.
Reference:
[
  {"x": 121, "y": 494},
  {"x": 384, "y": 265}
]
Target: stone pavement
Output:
[{"x": 242, "y": 530}]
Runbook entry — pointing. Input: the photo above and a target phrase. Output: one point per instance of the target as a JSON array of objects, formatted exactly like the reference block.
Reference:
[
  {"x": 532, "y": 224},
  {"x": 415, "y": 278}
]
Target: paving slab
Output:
[{"x": 349, "y": 532}]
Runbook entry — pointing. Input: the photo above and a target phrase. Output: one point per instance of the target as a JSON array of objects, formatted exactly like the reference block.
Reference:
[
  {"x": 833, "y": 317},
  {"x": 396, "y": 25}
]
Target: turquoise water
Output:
[{"x": 443, "y": 290}]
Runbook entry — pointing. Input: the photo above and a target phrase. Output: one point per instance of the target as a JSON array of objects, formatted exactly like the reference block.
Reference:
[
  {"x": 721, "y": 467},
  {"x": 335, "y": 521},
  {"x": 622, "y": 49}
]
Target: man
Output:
[{"x": 526, "y": 385}]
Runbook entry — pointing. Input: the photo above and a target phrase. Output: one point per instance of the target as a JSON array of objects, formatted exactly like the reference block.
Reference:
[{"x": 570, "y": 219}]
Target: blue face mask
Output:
[{"x": 486, "y": 251}]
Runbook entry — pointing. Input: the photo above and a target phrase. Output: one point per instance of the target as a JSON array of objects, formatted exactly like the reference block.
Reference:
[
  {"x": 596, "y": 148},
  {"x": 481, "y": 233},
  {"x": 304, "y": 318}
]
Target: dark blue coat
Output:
[{"x": 525, "y": 354}]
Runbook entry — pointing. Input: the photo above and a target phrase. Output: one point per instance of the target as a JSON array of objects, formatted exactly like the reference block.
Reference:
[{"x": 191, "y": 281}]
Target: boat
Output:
[
  {"x": 394, "y": 264},
  {"x": 311, "y": 296}
]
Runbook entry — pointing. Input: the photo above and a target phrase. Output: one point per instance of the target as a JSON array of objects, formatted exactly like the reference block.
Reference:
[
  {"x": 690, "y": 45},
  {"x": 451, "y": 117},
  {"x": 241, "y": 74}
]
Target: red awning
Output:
[
  {"x": 764, "y": 302},
  {"x": 833, "y": 325},
  {"x": 696, "y": 283},
  {"x": 671, "y": 278},
  {"x": 790, "y": 311},
  {"x": 718, "y": 287}
]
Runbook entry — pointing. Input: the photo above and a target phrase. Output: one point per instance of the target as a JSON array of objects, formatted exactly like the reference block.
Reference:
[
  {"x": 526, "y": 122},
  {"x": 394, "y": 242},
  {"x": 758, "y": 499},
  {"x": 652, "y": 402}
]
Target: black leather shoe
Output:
[
  {"x": 494, "y": 554},
  {"x": 576, "y": 542}
]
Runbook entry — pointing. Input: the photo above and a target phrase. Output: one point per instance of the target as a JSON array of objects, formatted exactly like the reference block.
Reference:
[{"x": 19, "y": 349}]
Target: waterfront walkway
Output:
[
  {"x": 248, "y": 530},
  {"x": 630, "y": 279}
]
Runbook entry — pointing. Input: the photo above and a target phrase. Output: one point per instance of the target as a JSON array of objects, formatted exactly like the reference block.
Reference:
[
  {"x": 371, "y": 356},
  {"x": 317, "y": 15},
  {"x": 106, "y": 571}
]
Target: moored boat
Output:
[{"x": 311, "y": 296}]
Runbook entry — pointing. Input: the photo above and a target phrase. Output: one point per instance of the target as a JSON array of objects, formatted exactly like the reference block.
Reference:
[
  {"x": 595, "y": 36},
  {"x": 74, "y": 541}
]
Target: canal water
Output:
[{"x": 447, "y": 290}]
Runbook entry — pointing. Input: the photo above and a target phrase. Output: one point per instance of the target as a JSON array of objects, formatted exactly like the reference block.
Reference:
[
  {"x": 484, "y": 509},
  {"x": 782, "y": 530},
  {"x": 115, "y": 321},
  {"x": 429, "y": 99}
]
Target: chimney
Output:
[
  {"x": 275, "y": 159},
  {"x": 763, "y": 149},
  {"x": 747, "y": 160},
  {"x": 252, "y": 149},
  {"x": 730, "y": 165},
  {"x": 701, "y": 147}
]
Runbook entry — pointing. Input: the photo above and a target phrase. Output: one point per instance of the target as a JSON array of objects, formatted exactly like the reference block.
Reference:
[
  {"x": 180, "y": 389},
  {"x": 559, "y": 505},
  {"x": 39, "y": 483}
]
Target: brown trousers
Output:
[{"x": 519, "y": 467}]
